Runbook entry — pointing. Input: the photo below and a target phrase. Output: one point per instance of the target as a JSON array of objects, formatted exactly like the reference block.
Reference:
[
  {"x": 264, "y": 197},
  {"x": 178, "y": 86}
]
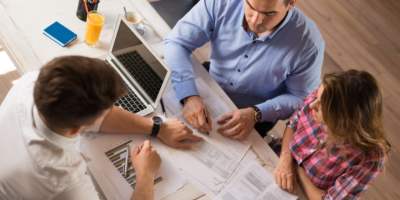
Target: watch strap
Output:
[
  {"x": 257, "y": 114},
  {"x": 155, "y": 130}
]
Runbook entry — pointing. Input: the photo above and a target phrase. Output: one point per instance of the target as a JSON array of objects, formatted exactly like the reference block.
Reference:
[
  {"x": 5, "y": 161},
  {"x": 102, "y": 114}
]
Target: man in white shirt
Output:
[{"x": 41, "y": 117}]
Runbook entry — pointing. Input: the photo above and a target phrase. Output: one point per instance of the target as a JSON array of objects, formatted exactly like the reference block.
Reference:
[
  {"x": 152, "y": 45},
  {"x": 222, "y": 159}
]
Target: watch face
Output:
[{"x": 157, "y": 120}]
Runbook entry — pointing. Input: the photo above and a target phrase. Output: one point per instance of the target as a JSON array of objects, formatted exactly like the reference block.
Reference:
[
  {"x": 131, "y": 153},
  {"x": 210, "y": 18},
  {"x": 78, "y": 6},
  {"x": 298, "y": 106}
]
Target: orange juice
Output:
[{"x": 94, "y": 24}]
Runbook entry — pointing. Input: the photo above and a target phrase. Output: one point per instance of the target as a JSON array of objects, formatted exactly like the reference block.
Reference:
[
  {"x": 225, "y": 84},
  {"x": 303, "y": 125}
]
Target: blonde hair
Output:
[{"x": 352, "y": 108}]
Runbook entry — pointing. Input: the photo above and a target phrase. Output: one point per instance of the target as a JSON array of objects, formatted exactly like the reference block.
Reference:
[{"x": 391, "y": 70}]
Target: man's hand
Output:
[
  {"x": 172, "y": 132},
  {"x": 146, "y": 162},
  {"x": 193, "y": 112},
  {"x": 240, "y": 124},
  {"x": 285, "y": 173}
]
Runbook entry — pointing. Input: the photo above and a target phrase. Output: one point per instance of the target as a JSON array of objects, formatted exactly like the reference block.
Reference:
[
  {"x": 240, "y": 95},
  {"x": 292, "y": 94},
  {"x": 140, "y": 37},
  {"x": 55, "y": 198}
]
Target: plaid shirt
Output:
[{"x": 340, "y": 178}]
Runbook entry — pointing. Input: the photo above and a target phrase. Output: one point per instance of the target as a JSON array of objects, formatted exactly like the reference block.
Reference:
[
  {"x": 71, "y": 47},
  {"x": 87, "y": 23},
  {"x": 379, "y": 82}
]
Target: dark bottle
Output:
[{"x": 81, "y": 11}]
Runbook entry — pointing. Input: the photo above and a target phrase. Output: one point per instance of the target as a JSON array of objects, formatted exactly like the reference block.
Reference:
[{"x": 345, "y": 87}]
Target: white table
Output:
[{"x": 21, "y": 28}]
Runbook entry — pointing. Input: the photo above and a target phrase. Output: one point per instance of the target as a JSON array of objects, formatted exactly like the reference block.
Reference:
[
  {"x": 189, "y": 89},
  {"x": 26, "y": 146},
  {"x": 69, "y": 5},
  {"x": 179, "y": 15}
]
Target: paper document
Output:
[
  {"x": 243, "y": 164},
  {"x": 108, "y": 151},
  {"x": 212, "y": 160},
  {"x": 254, "y": 183},
  {"x": 102, "y": 184}
]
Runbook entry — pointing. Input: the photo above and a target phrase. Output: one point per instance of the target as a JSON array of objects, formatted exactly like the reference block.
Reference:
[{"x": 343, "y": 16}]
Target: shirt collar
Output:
[
  {"x": 288, "y": 17},
  {"x": 285, "y": 21},
  {"x": 46, "y": 132}
]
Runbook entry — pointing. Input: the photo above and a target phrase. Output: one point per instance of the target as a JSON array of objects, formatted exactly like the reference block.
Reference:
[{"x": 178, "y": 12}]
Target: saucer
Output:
[{"x": 141, "y": 30}]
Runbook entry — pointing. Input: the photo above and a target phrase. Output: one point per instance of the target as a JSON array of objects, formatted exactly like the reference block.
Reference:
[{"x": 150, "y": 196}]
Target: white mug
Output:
[{"x": 133, "y": 18}]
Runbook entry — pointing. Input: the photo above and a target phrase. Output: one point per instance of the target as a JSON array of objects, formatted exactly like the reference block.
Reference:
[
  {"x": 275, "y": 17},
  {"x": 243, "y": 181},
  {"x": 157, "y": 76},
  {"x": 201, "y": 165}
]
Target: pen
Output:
[
  {"x": 205, "y": 113},
  {"x": 126, "y": 160},
  {"x": 163, "y": 108}
]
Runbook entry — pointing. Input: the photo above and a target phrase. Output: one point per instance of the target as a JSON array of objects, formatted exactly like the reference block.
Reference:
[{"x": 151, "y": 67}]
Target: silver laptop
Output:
[{"x": 142, "y": 70}]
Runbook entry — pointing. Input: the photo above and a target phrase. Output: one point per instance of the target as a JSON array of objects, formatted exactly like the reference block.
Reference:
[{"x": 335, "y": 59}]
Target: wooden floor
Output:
[{"x": 362, "y": 35}]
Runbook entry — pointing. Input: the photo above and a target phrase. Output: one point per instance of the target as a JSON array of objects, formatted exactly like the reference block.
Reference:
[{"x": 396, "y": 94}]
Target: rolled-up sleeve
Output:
[
  {"x": 191, "y": 32},
  {"x": 95, "y": 128}
]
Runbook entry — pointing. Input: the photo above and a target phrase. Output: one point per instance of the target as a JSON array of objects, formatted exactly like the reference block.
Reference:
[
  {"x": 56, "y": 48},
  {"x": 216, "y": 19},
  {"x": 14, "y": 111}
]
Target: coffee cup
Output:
[{"x": 133, "y": 18}]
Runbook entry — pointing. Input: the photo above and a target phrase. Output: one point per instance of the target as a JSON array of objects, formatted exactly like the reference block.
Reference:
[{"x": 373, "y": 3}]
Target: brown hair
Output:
[
  {"x": 74, "y": 90},
  {"x": 352, "y": 108}
]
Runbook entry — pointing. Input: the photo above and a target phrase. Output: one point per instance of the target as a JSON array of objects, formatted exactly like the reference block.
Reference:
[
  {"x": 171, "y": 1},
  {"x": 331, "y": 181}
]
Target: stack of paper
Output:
[
  {"x": 213, "y": 160},
  {"x": 256, "y": 183}
]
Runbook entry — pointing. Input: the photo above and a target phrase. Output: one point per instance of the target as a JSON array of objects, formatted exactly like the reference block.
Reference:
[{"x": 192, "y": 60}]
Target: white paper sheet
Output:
[
  {"x": 212, "y": 160},
  {"x": 247, "y": 160},
  {"x": 109, "y": 160},
  {"x": 103, "y": 186},
  {"x": 255, "y": 183}
]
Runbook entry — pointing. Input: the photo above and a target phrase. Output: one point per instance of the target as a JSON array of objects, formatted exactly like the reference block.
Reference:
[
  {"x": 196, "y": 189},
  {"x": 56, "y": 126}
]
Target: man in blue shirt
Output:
[{"x": 265, "y": 54}]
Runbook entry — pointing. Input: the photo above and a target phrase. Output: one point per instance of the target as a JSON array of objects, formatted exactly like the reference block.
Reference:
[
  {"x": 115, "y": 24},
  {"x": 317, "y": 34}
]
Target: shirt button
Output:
[
  {"x": 311, "y": 150},
  {"x": 301, "y": 160},
  {"x": 238, "y": 70},
  {"x": 231, "y": 83},
  {"x": 321, "y": 141},
  {"x": 246, "y": 56}
]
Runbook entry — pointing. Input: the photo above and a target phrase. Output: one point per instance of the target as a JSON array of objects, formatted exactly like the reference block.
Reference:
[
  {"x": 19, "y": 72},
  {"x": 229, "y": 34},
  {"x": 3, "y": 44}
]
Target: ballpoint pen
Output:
[
  {"x": 163, "y": 108},
  {"x": 126, "y": 160},
  {"x": 205, "y": 113}
]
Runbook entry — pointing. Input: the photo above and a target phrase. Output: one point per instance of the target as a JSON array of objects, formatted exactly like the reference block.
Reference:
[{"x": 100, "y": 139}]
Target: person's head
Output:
[
  {"x": 76, "y": 92},
  {"x": 350, "y": 104},
  {"x": 265, "y": 15}
]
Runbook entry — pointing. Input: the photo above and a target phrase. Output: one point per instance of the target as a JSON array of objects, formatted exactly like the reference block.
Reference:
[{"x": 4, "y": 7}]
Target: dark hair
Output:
[
  {"x": 352, "y": 108},
  {"x": 75, "y": 90}
]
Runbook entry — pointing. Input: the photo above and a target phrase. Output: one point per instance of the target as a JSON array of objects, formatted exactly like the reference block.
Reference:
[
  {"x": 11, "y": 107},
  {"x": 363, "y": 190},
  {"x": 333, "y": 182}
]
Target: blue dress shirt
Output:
[{"x": 273, "y": 72}]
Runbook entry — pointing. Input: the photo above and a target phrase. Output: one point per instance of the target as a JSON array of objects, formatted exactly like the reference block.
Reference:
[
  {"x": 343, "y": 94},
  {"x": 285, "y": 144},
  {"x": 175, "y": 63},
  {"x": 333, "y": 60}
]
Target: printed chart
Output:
[{"x": 116, "y": 153}]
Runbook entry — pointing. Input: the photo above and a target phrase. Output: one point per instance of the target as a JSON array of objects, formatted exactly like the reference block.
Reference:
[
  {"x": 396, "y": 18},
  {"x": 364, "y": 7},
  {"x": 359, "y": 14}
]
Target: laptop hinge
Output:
[{"x": 133, "y": 85}]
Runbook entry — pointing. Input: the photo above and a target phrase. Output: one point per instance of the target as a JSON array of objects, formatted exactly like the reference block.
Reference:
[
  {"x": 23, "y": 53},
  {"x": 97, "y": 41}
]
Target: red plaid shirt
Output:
[{"x": 340, "y": 178}]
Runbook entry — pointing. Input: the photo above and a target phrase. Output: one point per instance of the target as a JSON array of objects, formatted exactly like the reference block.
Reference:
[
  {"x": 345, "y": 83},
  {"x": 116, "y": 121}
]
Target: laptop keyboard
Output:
[
  {"x": 130, "y": 102},
  {"x": 142, "y": 72}
]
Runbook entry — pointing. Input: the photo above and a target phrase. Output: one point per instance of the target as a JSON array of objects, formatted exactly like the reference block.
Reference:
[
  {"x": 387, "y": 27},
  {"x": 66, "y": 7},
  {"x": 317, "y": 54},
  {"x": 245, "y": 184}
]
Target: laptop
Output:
[{"x": 142, "y": 70}]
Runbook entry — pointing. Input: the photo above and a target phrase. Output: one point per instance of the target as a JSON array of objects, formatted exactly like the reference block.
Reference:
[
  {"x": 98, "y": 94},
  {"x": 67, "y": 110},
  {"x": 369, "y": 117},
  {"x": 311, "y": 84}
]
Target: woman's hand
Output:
[{"x": 285, "y": 174}]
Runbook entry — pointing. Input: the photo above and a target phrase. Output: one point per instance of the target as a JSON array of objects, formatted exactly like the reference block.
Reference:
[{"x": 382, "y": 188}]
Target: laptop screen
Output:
[{"x": 138, "y": 61}]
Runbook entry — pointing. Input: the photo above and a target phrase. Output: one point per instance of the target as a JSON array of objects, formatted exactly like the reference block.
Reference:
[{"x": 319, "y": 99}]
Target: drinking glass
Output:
[{"x": 94, "y": 24}]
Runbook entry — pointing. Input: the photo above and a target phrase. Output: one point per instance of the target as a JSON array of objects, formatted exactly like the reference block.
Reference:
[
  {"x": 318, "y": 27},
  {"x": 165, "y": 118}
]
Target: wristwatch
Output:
[
  {"x": 157, "y": 122},
  {"x": 257, "y": 114}
]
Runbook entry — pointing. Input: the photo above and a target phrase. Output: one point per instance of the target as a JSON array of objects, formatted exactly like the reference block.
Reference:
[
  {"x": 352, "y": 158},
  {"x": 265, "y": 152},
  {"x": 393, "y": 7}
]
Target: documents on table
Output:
[
  {"x": 255, "y": 183},
  {"x": 244, "y": 163},
  {"x": 212, "y": 160},
  {"x": 108, "y": 151}
]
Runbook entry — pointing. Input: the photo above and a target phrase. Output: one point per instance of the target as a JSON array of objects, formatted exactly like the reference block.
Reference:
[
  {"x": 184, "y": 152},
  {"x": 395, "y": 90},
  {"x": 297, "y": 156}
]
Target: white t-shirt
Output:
[{"x": 35, "y": 162}]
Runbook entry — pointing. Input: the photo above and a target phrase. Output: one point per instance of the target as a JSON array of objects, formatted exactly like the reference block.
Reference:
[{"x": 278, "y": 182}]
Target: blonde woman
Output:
[{"x": 334, "y": 144}]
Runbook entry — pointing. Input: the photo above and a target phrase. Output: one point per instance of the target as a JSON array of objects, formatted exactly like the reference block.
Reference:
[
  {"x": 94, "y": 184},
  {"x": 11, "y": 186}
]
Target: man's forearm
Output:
[
  {"x": 287, "y": 104},
  {"x": 143, "y": 189},
  {"x": 311, "y": 191},
  {"x": 123, "y": 121}
]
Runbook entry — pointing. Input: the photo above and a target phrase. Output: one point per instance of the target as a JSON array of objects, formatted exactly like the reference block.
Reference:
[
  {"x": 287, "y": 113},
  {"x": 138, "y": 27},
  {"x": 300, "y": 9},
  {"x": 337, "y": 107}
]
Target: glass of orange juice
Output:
[{"x": 94, "y": 24}]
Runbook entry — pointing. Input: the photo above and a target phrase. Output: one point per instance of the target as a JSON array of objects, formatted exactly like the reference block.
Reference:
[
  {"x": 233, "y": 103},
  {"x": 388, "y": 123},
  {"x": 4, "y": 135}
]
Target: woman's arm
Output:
[
  {"x": 287, "y": 136},
  {"x": 284, "y": 174},
  {"x": 311, "y": 191}
]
